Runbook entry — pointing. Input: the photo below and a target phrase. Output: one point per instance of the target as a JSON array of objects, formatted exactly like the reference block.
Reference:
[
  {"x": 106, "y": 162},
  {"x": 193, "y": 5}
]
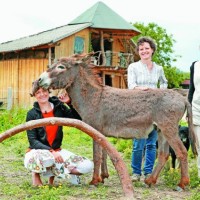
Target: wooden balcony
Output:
[{"x": 112, "y": 59}]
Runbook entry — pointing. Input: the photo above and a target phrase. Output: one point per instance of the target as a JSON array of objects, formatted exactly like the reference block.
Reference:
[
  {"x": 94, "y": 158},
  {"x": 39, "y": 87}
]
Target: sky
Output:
[{"x": 181, "y": 19}]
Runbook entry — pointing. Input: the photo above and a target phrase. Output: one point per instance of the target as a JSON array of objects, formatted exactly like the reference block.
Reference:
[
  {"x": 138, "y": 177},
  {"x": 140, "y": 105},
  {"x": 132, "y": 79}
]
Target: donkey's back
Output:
[{"x": 132, "y": 113}]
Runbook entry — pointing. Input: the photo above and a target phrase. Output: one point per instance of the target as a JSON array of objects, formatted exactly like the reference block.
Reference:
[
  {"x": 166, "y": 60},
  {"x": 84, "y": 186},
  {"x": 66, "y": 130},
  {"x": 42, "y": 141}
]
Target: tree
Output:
[
  {"x": 174, "y": 77},
  {"x": 164, "y": 54}
]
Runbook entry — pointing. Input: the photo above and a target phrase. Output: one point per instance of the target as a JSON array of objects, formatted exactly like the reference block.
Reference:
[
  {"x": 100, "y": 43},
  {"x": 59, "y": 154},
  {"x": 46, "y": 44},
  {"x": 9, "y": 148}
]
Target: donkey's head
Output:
[{"x": 62, "y": 72}]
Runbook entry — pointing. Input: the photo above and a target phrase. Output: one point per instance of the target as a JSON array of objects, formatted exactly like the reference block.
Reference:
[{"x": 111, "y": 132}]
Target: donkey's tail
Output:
[{"x": 192, "y": 136}]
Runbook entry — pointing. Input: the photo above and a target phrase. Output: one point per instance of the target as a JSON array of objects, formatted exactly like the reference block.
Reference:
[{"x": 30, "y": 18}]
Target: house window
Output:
[{"x": 79, "y": 45}]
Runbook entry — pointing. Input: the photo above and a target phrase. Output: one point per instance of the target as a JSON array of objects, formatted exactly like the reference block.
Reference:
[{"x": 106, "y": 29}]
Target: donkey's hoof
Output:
[
  {"x": 103, "y": 178},
  {"x": 96, "y": 181},
  {"x": 149, "y": 180}
]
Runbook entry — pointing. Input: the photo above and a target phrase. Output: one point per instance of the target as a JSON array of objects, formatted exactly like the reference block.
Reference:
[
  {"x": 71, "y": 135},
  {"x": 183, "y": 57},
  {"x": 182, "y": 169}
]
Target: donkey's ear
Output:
[{"x": 87, "y": 58}]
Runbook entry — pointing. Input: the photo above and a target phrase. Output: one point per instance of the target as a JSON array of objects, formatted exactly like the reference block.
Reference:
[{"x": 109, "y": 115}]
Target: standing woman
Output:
[
  {"x": 143, "y": 75},
  {"x": 194, "y": 99},
  {"x": 45, "y": 155}
]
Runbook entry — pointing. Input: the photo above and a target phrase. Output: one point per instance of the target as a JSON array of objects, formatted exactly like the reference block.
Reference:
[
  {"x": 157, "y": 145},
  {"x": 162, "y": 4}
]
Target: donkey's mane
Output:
[
  {"x": 92, "y": 76},
  {"x": 84, "y": 61}
]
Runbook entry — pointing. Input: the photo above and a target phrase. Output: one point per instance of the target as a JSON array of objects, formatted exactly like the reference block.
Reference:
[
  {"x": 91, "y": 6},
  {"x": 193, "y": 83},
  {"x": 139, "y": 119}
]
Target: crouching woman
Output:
[{"x": 45, "y": 155}]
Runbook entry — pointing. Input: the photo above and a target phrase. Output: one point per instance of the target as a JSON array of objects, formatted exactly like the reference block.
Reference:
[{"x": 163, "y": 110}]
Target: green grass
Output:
[{"x": 15, "y": 180}]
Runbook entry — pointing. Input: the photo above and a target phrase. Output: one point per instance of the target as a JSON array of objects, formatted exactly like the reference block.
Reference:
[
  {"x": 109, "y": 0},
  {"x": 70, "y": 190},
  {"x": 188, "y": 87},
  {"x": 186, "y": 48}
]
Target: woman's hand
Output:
[
  {"x": 141, "y": 88},
  {"x": 57, "y": 156},
  {"x": 64, "y": 97}
]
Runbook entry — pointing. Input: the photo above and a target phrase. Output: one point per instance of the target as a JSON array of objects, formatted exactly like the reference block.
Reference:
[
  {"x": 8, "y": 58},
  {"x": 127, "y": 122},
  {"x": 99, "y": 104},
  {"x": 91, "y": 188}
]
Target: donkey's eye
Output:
[{"x": 61, "y": 67}]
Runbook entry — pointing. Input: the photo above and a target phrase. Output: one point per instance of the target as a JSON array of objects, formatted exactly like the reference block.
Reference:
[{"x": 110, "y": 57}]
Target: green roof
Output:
[
  {"x": 42, "y": 38},
  {"x": 101, "y": 16}
]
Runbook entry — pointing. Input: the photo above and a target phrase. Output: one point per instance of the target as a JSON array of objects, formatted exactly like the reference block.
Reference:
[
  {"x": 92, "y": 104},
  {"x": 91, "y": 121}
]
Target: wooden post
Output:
[
  {"x": 9, "y": 99},
  {"x": 49, "y": 51},
  {"x": 102, "y": 49}
]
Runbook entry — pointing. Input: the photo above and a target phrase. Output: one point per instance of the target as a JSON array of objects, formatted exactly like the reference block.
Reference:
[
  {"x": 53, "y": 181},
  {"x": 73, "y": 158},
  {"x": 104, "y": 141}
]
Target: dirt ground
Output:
[
  {"x": 141, "y": 192},
  {"x": 156, "y": 192},
  {"x": 160, "y": 193}
]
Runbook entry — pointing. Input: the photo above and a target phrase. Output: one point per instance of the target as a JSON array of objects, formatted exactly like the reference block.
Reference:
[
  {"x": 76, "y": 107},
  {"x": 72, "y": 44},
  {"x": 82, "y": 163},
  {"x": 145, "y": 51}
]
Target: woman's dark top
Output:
[{"x": 37, "y": 137}]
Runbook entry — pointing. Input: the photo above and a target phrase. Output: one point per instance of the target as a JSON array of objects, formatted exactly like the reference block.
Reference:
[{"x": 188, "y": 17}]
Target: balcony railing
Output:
[{"x": 112, "y": 59}]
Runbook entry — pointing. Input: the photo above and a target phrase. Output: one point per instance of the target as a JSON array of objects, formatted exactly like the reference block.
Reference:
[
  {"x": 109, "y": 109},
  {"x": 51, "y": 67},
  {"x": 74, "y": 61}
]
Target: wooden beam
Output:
[
  {"x": 102, "y": 48},
  {"x": 116, "y": 32},
  {"x": 49, "y": 56}
]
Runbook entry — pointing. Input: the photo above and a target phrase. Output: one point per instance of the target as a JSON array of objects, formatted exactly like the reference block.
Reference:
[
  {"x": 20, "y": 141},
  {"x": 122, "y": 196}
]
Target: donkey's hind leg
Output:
[
  {"x": 163, "y": 155},
  {"x": 173, "y": 139},
  {"x": 97, "y": 159},
  {"x": 182, "y": 156},
  {"x": 104, "y": 168}
]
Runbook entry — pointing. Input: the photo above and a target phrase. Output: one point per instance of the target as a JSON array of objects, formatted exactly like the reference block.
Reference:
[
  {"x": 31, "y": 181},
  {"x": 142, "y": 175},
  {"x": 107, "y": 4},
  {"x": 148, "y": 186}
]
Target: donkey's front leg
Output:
[
  {"x": 104, "y": 168},
  {"x": 97, "y": 159}
]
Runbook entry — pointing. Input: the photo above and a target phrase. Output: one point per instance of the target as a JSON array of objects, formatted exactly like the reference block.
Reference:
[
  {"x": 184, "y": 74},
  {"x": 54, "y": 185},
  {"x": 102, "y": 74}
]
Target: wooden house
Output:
[{"x": 99, "y": 29}]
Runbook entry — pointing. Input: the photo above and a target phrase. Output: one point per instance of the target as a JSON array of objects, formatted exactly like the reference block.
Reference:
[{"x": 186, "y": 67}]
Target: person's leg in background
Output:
[
  {"x": 197, "y": 133},
  {"x": 137, "y": 156},
  {"x": 150, "y": 153}
]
